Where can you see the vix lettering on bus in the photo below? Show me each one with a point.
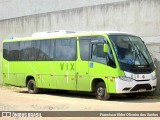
(67, 66)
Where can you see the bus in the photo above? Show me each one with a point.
(101, 62)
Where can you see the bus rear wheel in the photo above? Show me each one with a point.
(100, 91)
(32, 89)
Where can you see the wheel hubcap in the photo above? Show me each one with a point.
(31, 86)
(100, 91)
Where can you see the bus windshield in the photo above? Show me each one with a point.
(130, 50)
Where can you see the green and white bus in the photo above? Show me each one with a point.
(101, 62)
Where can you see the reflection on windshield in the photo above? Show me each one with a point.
(130, 50)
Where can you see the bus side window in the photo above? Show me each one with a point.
(85, 49)
(14, 51)
(65, 49)
(44, 50)
(6, 51)
(25, 50)
(98, 54)
(52, 50)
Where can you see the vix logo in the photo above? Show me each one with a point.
(67, 66)
(143, 76)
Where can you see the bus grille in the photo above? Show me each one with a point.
(144, 70)
(141, 86)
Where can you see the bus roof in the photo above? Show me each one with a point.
(63, 33)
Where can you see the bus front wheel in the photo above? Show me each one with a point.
(100, 91)
(32, 89)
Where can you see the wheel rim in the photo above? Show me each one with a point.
(100, 91)
(31, 86)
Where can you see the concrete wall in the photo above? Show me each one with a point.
(155, 52)
(140, 17)
(18, 8)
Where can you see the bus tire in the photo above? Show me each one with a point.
(100, 91)
(32, 89)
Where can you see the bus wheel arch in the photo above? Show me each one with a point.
(29, 78)
(31, 85)
(99, 88)
(95, 82)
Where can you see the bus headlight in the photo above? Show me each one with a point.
(126, 79)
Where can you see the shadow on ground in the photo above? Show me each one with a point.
(142, 98)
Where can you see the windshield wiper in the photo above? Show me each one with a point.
(141, 54)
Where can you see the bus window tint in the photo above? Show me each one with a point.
(65, 49)
(14, 51)
(25, 50)
(52, 50)
(97, 53)
(40, 50)
(44, 50)
(6, 51)
(84, 48)
(34, 50)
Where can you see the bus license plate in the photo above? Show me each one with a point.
(142, 90)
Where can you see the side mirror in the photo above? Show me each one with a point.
(105, 48)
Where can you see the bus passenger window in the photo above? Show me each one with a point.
(65, 49)
(6, 50)
(84, 49)
(97, 53)
(14, 51)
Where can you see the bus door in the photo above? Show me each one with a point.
(82, 66)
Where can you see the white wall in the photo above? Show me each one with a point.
(140, 17)
(17, 8)
(155, 51)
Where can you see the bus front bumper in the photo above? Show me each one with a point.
(134, 86)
